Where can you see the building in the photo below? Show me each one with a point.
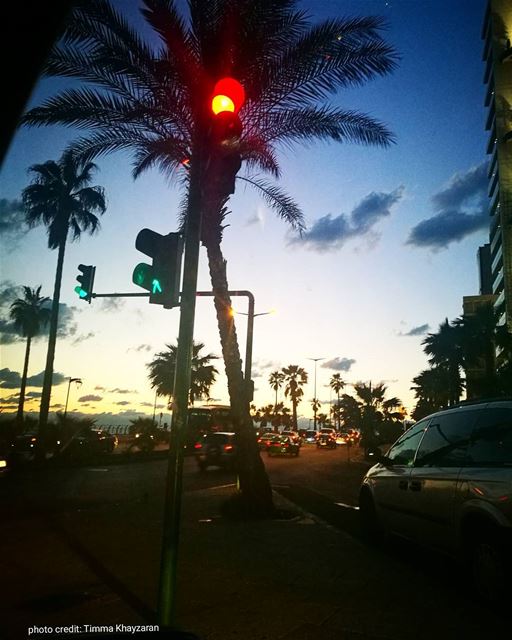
(497, 55)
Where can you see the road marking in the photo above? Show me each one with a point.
(346, 506)
(97, 469)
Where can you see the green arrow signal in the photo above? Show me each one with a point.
(156, 286)
(81, 292)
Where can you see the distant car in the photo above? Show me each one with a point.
(326, 441)
(90, 443)
(283, 446)
(265, 440)
(329, 430)
(294, 435)
(23, 447)
(216, 449)
(310, 436)
(447, 483)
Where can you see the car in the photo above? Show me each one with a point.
(283, 445)
(23, 447)
(329, 430)
(326, 441)
(216, 449)
(310, 436)
(294, 435)
(265, 439)
(90, 442)
(446, 483)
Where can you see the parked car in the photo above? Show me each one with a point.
(23, 447)
(216, 449)
(447, 483)
(283, 446)
(326, 441)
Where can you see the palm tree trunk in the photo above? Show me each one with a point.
(19, 415)
(294, 412)
(254, 482)
(52, 340)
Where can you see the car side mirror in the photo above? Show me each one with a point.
(376, 457)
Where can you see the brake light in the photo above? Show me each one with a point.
(228, 447)
(198, 445)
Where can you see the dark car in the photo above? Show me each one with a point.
(216, 449)
(23, 447)
(294, 435)
(283, 446)
(311, 436)
(90, 443)
(326, 441)
(265, 439)
(446, 483)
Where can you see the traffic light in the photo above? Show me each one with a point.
(162, 278)
(225, 131)
(86, 280)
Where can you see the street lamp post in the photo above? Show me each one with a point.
(248, 348)
(315, 360)
(79, 382)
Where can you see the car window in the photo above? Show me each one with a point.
(491, 443)
(446, 439)
(403, 451)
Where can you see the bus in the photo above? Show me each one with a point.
(208, 419)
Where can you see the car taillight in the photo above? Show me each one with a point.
(198, 445)
(285, 444)
(228, 447)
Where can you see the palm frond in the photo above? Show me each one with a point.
(285, 207)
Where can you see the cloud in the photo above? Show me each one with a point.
(339, 364)
(83, 337)
(330, 233)
(98, 388)
(111, 305)
(90, 398)
(462, 207)
(37, 379)
(141, 348)
(123, 402)
(257, 219)
(12, 223)
(416, 331)
(123, 391)
(9, 379)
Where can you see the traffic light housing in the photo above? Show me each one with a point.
(162, 278)
(86, 280)
(225, 132)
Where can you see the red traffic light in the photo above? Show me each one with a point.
(228, 95)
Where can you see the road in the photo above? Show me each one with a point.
(104, 515)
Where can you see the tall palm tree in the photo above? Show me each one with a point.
(337, 384)
(60, 198)
(29, 315)
(295, 377)
(162, 370)
(154, 101)
(276, 381)
(375, 410)
(445, 351)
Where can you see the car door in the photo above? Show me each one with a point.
(433, 479)
(390, 481)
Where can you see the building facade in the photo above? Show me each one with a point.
(497, 56)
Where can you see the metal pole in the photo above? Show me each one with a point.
(67, 398)
(171, 527)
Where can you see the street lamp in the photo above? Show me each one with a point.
(315, 360)
(78, 382)
(248, 349)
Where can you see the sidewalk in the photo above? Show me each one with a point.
(295, 579)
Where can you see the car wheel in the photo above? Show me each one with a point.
(487, 564)
(368, 515)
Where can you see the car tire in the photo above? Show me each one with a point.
(368, 518)
(487, 564)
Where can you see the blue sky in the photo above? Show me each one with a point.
(389, 251)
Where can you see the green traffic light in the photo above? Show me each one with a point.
(81, 292)
(156, 287)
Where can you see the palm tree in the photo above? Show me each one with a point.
(315, 405)
(162, 370)
(29, 315)
(375, 411)
(444, 350)
(295, 377)
(155, 102)
(337, 384)
(276, 381)
(60, 198)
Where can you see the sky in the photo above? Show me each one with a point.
(388, 253)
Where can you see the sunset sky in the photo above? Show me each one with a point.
(389, 251)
